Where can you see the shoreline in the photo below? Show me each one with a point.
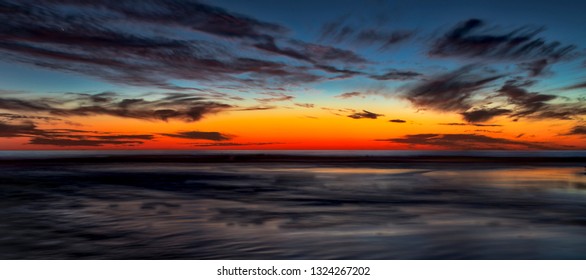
(299, 159)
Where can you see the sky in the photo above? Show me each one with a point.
(278, 75)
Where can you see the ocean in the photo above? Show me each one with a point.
(292, 205)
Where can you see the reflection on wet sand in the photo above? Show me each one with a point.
(292, 211)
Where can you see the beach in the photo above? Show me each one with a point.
(288, 206)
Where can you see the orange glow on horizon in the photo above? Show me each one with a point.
(286, 130)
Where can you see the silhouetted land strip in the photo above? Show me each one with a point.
(305, 159)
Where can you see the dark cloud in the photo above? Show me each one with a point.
(567, 111)
(93, 38)
(489, 125)
(483, 115)
(106, 96)
(255, 108)
(538, 105)
(17, 130)
(449, 92)
(473, 124)
(69, 137)
(347, 95)
(305, 105)
(577, 130)
(386, 39)
(320, 56)
(12, 117)
(465, 142)
(577, 86)
(339, 32)
(187, 108)
(527, 102)
(275, 97)
(313, 53)
(204, 135)
(75, 137)
(398, 121)
(339, 112)
(454, 124)
(125, 136)
(474, 39)
(343, 73)
(229, 144)
(66, 142)
(459, 90)
(487, 131)
(187, 14)
(22, 105)
(397, 75)
(149, 65)
(365, 115)
(536, 68)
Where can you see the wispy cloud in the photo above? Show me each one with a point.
(234, 144)
(17, 130)
(187, 108)
(536, 68)
(483, 115)
(203, 135)
(347, 95)
(72, 36)
(305, 105)
(397, 75)
(475, 39)
(465, 142)
(450, 92)
(88, 142)
(275, 97)
(577, 86)
(341, 31)
(537, 105)
(365, 115)
(472, 124)
(577, 130)
(69, 137)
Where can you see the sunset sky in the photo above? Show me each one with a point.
(232, 74)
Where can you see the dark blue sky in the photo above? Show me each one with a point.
(305, 20)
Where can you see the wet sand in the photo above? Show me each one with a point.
(292, 207)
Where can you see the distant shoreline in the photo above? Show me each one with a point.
(296, 159)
